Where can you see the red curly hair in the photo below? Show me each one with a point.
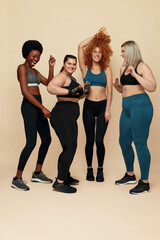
(101, 40)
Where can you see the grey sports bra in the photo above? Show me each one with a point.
(32, 79)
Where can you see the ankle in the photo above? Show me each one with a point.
(59, 181)
(130, 173)
(145, 181)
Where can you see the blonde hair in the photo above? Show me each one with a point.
(132, 53)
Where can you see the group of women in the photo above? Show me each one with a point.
(94, 57)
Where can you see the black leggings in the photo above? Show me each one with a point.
(34, 122)
(64, 121)
(94, 111)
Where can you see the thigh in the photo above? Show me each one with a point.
(101, 127)
(65, 128)
(30, 115)
(125, 128)
(43, 127)
(89, 121)
(141, 117)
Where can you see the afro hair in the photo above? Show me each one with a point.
(30, 45)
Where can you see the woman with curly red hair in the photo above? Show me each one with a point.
(94, 57)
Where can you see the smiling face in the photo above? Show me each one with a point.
(96, 54)
(70, 66)
(33, 57)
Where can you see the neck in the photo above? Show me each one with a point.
(27, 64)
(96, 66)
(65, 72)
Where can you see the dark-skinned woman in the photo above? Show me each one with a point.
(34, 113)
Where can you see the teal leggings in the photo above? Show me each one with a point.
(135, 121)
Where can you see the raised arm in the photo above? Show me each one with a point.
(146, 79)
(44, 80)
(108, 73)
(21, 74)
(81, 47)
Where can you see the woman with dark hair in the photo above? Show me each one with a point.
(34, 113)
(64, 120)
(94, 57)
(136, 116)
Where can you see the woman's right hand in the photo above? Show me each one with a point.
(46, 113)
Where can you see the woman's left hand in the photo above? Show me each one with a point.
(52, 61)
(132, 71)
(107, 116)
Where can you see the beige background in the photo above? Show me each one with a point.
(97, 210)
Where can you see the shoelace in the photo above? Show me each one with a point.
(23, 181)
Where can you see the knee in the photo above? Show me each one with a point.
(70, 147)
(123, 143)
(46, 141)
(140, 143)
(89, 143)
(30, 145)
(99, 143)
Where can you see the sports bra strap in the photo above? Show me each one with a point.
(71, 77)
(136, 67)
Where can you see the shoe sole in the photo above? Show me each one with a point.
(39, 181)
(129, 182)
(141, 192)
(90, 179)
(71, 183)
(58, 190)
(99, 180)
(20, 189)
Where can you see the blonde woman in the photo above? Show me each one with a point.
(136, 78)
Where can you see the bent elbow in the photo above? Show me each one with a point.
(154, 87)
(80, 46)
(49, 89)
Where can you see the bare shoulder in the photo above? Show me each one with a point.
(60, 76)
(108, 69)
(21, 67)
(143, 67)
(59, 79)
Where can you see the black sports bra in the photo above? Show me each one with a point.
(128, 79)
(73, 84)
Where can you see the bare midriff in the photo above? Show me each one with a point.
(97, 93)
(60, 99)
(34, 90)
(129, 90)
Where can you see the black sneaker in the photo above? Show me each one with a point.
(71, 180)
(99, 177)
(41, 178)
(63, 187)
(140, 188)
(90, 176)
(19, 184)
(127, 179)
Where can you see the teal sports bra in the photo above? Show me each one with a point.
(96, 79)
